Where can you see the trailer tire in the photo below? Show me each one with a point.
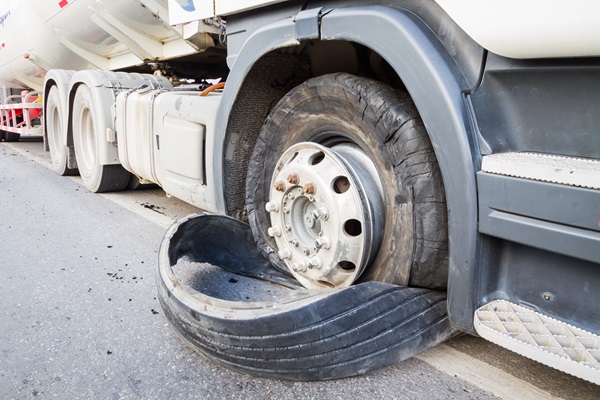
(11, 137)
(87, 128)
(385, 124)
(55, 130)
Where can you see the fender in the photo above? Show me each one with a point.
(436, 86)
(105, 86)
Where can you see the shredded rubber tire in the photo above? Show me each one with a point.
(304, 336)
(386, 125)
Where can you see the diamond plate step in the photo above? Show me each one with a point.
(546, 168)
(541, 338)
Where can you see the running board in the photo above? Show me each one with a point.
(541, 338)
(570, 171)
(231, 305)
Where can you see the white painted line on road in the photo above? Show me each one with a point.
(478, 373)
(124, 201)
(27, 154)
(133, 206)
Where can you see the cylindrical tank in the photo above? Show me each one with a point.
(39, 35)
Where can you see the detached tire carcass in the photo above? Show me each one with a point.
(297, 334)
(343, 193)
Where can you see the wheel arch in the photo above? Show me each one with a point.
(436, 86)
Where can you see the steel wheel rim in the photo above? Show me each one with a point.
(326, 212)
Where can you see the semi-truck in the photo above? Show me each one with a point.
(397, 172)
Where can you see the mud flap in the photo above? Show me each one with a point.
(228, 303)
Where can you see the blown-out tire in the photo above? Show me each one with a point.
(87, 129)
(300, 335)
(55, 133)
(385, 124)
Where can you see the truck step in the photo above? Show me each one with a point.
(545, 167)
(541, 338)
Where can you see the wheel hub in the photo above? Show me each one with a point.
(326, 213)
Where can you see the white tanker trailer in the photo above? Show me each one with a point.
(409, 168)
(37, 37)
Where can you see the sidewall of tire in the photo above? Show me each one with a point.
(91, 175)
(97, 177)
(56, 142)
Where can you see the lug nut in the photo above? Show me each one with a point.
(294, 243)
(293, 178)
(306, 251)
(309, 188)
(288, 227)
(323, 243)
(299, 266)
(280, 186)
(322, 213)
(274, 231)
(285, 254)
(314, 262)
(271, 206)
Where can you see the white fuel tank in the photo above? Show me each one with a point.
(36, 36)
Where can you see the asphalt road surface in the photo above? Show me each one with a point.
(79, 317)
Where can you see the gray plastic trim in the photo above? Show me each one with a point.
(562, 204)
(545, 235)
(436, 86)
(308, 24)
(510, 209)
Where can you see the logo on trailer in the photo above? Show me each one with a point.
(4, 17)
(63, 3)
(187, 5)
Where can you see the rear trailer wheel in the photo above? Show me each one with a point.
(88, 128)
(55, 133)
(11, 136)
(344, 185)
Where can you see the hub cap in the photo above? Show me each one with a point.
(326, 213)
